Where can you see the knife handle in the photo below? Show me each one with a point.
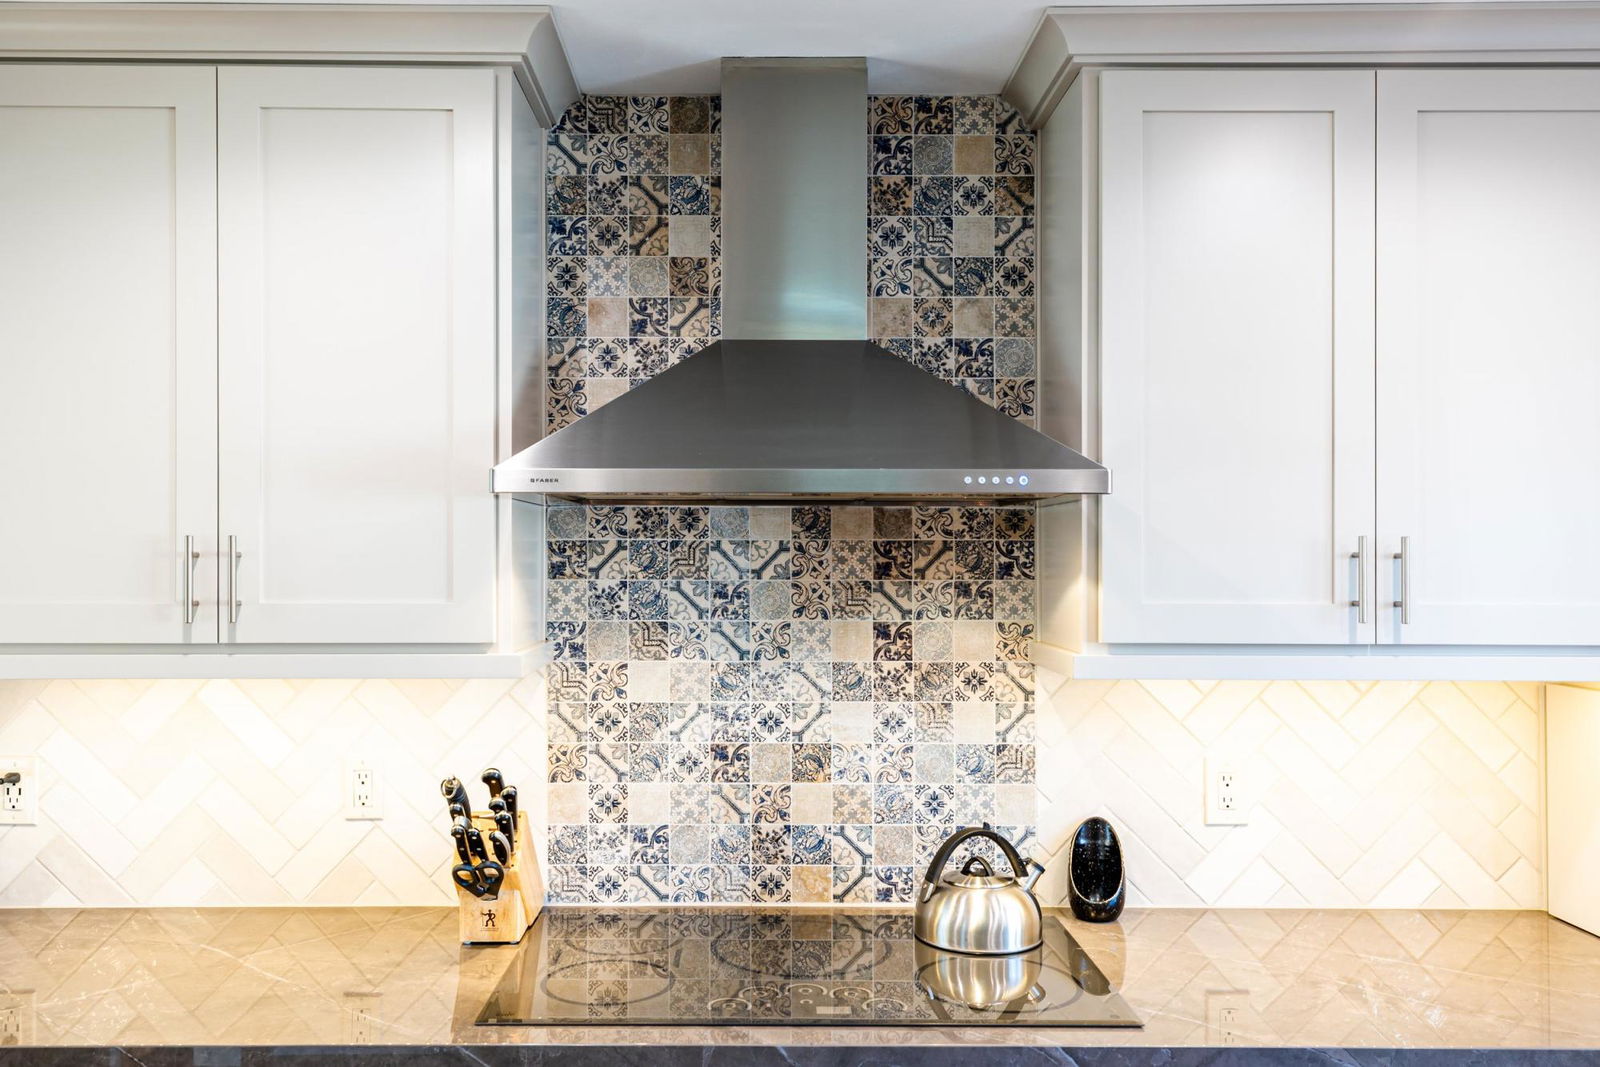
(455, 793)
(507, 829)
(509, 795)
(475, 843)
(459, 834)
(494, 780)
(497, 804)
(501, 846)
(457, 811)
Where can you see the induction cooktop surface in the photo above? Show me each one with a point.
(787, 967)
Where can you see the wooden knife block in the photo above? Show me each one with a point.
(503, 919)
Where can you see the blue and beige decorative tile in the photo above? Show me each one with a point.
(739, 615)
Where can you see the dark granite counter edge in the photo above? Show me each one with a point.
(776, 1056)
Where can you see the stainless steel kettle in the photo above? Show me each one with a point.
(976, 910)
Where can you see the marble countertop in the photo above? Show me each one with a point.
(1346, 979)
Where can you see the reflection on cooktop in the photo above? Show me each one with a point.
(788, 967)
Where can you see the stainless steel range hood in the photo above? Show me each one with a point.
(798, 420)
(795, 405)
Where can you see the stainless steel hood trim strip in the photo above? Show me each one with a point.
(590, 481)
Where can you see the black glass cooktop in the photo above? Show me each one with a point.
(788, 967)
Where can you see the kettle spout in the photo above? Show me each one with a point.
(1036, 870)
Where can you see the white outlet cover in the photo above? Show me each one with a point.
(1225, 806)
(352, 810)
(28, 813)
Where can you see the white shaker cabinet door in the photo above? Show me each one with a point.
(1236, 355)
(1489, 356)
(357, 329)
(107, 354)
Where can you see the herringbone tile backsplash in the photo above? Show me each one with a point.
(1386, 794)
(218, 792)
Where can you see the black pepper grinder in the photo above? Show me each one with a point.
(1098, 884)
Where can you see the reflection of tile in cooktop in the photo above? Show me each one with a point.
(787, 967)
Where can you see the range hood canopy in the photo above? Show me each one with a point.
(798, 420)
(787, 410)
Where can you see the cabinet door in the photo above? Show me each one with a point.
(357, 275)
(107, 353)
(1489, 355)
(1236, 354)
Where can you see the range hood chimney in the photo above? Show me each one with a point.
(794, 199)
(794, 403)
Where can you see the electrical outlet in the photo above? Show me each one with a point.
(19, 800)
(1228, 1017)
(1227, 802)
(16, 1018)
(363, 799)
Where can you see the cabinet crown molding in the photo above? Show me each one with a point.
(523, 38)
(1068, 39)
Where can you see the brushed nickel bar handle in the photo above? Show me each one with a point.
(1404, 603)
(190, 558)
(234, 555)
(1360, 602)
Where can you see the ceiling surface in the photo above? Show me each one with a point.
(663, 47)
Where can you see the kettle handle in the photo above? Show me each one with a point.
(961, 837)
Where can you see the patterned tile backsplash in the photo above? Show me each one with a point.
(785, 704)
(950, 242)
(634, 276)
(779, 704)
(635, 242)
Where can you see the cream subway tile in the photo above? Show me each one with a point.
(1334, 697)
(1373, 879)
(189, 883)
(1378, 707)
(1525, 780)
(241, 821)
(1299, 862)
(1310, 721)
(252, 726)
(1229, 861)
(1178, 697)
(1458, 871)
(26, 727)
(1474, 725)
(20, 846)
(1407, 732)
(1520, 722)
(1524, 884)
(1524, 828)
(1324, 835)
(1491, 698)
(1154, 722)
(153, 707)
(164, 800)
(1255, 887)
(235, 864)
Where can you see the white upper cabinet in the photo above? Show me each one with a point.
(1236, 369)
(1489, 355)
(107, 354)
(357, 326)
